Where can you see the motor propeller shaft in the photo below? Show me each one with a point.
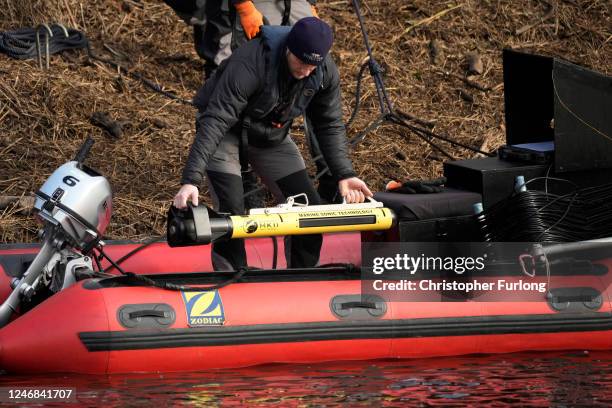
(11, 304)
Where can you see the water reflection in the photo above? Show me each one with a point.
(535, 379)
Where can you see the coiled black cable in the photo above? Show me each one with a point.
(21, 43)
(568, 215)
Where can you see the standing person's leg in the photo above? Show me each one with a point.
(225, 186)
(209, 39)
(211, 22)
(283, 171)
(272, 10)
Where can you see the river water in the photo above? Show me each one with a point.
(568, 379)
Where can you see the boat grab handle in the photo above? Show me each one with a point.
(148, 313)
(361, 305)
(358, 307)
(146, 316)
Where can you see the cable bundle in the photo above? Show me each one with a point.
(541, 216)
(21, 43)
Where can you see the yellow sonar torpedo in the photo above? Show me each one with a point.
(201, 225)
(304, 220)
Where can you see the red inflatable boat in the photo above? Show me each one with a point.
(112, 325)
(163, 309)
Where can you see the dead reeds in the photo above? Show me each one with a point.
(425, 46)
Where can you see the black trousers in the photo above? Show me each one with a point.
(282, 170)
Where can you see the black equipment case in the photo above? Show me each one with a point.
(437, 217)
(495, 179)
(552, 100)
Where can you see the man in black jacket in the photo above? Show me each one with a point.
(246, 111)
(221, 26)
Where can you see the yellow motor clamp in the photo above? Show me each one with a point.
(201, 225)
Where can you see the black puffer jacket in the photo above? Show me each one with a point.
(251, 84)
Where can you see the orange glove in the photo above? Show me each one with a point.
(250, 18)
(393, 185)
(314, 11)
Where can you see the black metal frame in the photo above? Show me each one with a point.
(388, 113)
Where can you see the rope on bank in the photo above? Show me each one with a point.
(24, 43)
(46, 40)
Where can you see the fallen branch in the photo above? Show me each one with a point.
(435, 55)
(551, 12)
(475, 65)
(466, 96)
(426, 21)
(466, 81)
(422, 122)
(24, 203)
(104, 121)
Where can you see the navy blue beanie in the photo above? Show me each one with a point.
(310, 40)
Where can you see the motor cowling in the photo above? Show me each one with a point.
(77, 199)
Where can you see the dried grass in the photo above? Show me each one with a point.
(45, 115)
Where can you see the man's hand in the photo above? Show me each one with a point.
(250, 18)
(354, 190)
(188, 192)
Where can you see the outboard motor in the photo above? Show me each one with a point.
(75, 206)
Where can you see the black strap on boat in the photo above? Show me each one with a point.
(182, 288)
(171, 286)
(286, 13)
(142, 246)
(274, 253)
